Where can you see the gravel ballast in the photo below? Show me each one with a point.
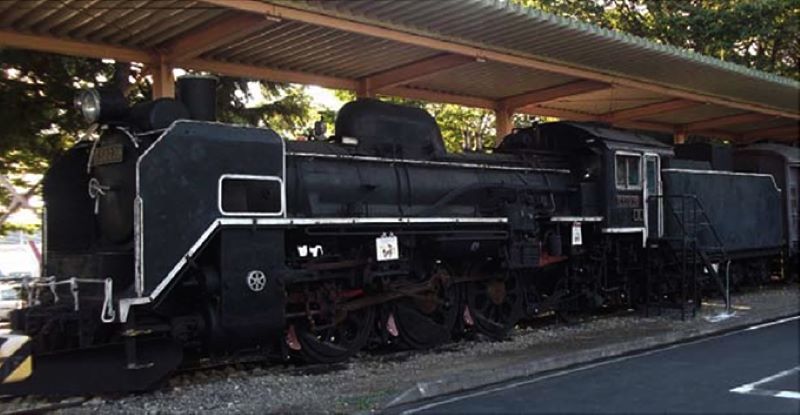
(374, 380)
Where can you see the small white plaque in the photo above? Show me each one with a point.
(577, 236)
(387, 248)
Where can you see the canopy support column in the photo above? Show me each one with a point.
(163, 81)
(503, 123)
(364, 89)
(679, 136)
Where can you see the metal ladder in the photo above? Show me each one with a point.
(696, 246)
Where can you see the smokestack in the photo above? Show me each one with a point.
(199, 94)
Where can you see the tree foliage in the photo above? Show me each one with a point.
(38, 121)
(284, 108)
(759, 34)
(36, 93)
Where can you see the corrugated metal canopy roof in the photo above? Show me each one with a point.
(502, 25)
(480, 53)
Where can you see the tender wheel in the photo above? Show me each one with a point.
(332, 334)
(427, 319)
(495, 305)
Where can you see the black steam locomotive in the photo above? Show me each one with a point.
(172, 237)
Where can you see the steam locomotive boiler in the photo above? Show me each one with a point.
(172, 238)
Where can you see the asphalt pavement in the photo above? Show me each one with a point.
(754, 370)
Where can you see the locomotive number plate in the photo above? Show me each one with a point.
(629, 201)
(107, 155)
(387, 248)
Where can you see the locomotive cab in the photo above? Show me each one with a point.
(632, 182)
(622, 175)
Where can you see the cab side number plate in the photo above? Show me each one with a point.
(107, 155)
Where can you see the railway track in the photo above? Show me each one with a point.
(207, 371)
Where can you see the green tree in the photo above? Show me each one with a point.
(285, 108)
(37, 124)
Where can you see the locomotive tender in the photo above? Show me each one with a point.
(172, 237)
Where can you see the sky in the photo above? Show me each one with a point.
(324, 97)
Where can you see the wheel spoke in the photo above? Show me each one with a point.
(331, 338)
(428, 320)
(496, 305)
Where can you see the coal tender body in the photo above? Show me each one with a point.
(172, 238)
(782, 162)
(736, 214)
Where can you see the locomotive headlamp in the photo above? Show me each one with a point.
(88, 102)
(101, 105)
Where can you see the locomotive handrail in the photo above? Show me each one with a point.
(107, 314)
(713, 229)
(698, 204)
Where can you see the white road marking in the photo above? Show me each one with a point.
(590, 366)
(788, 394)
(752, 389)
(772, 323)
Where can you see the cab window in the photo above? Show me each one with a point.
(628, 171)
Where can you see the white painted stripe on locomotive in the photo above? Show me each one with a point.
(576, 219)
(366, 221)
(190, 253)
(126, 303)
(623, 230)
(139, 244)
(629, 230)
(725, 173)
(428, 162)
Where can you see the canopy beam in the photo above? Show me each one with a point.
(435, 96)
(541, 96)
(727, 120)
(72, 47)
(789, 131)
(218, 33)
(657, 108)
(404, 74)
(558, 113)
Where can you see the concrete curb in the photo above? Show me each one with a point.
(481, 378)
